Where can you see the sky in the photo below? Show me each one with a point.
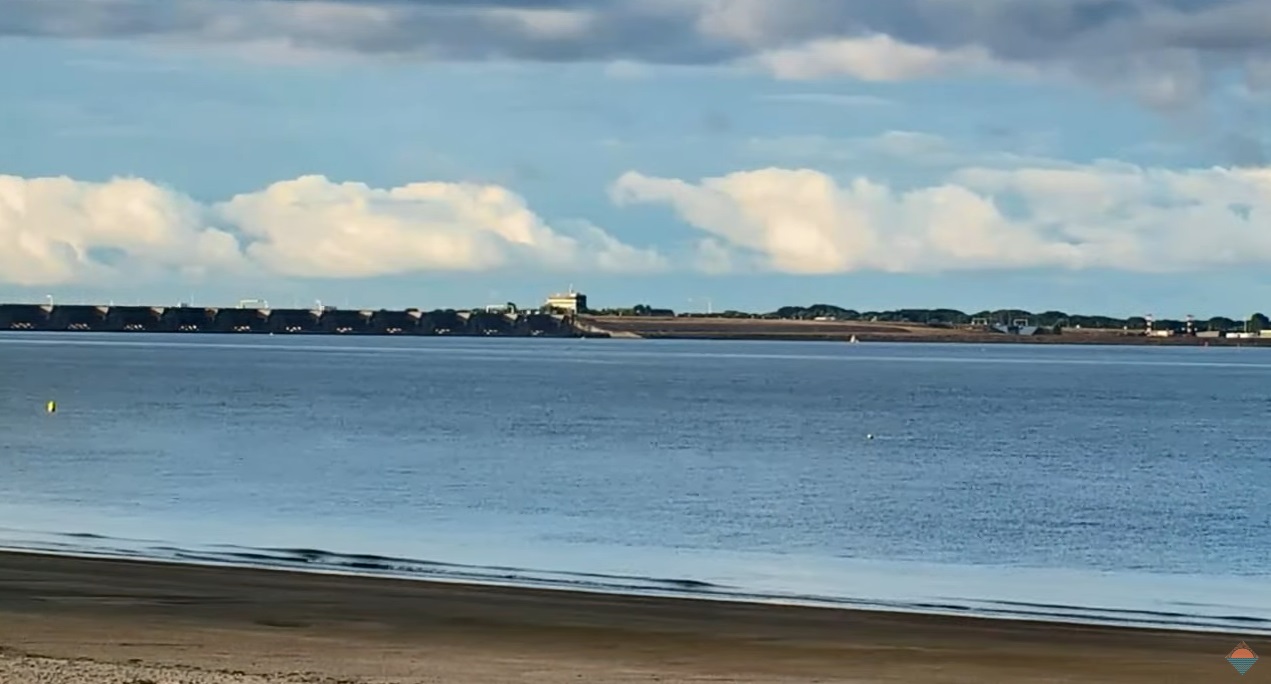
(1095, 156)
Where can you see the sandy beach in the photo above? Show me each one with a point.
(93, 621)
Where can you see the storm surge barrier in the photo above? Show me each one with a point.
(188, 319)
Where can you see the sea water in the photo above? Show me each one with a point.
(1104, 484)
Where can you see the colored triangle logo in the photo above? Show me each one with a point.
(1242, 657)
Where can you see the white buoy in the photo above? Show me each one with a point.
(869, 436)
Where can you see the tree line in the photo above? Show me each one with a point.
(954, 317)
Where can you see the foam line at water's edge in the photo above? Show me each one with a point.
(326, 562)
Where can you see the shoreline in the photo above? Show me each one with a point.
(266, 623)
(333, 563)
(872, 332)
(1078, 340)
(972, 339)
(572, 320)
(694, 328)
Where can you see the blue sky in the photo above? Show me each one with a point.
(1086, 155)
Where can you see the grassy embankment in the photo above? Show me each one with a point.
(651, 327)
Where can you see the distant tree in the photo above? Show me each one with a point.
(1047, 320)
(1221, 324)
(950, 316)
(1051, 317)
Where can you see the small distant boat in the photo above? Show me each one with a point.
(853, 340)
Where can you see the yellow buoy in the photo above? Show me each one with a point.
(51, 407)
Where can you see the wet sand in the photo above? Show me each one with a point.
(91, 621)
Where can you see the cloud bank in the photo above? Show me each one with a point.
(1103, 216)
(1165, 51)
(57, 231)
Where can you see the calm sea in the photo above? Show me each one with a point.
(1072, 483)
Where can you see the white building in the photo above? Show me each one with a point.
(569, 302)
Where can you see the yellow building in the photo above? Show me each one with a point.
(569, 302)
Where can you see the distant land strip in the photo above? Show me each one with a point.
(830, 322)
(817, 322)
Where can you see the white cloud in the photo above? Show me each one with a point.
(877, 57)
(1111, 216)
(312, 227)
(545, 24)
(59, 230)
